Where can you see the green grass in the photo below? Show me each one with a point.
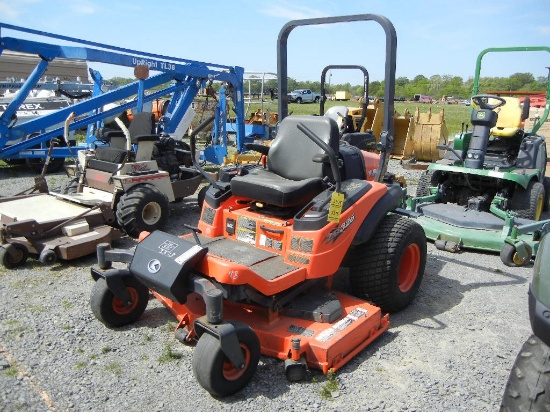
(331, 385)
(455, 114)
(169, 354)
(11, 372)
(114, 368)
(80, 365)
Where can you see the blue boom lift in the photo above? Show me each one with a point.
(179, 78)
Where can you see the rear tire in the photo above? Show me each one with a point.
(528, 385)
(142, 208)
(110, 310)
(388, 269)
(528, 203)
(430, 178)
(546, 184)
(201, 195)
(70, 187)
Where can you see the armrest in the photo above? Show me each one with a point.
(105, 134)
(146, 138)
(360, 140)
(321, 158)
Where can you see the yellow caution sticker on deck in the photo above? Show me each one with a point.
(336, 205)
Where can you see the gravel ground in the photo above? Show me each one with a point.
(451, 350)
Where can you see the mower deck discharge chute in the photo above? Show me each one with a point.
(489, 189)
(255, 277)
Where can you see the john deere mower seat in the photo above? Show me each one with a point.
(141, 133)
(291, 177)
(510, 117)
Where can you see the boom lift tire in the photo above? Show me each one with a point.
(142, 207)
(528, 203)
(528, 386)
(37, 164)
(387, 270)
(110, 310)
(10, 262)
(214, 371)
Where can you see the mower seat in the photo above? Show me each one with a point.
(510, 117)
(141, 133)
(340, 115)
(291, 177)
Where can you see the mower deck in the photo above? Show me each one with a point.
(42, 208)
(324, 345)
(472, 229)
(44, 222)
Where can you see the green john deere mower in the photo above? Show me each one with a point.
(489, 189)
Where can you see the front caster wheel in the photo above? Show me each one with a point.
(509, 255)
(18, 258)
(111, 311)
(213, 369)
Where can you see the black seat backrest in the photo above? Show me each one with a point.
(143, 124)
(141, 128)
(291, 153)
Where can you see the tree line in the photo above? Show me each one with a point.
(435, 86)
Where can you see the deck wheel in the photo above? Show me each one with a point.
(15, 259)
(509, 255)
(110, 310)
(215, 372)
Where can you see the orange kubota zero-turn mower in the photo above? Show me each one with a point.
(256, 276)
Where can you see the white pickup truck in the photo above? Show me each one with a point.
(303, 96)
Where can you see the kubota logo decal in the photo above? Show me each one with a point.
(338, 230)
